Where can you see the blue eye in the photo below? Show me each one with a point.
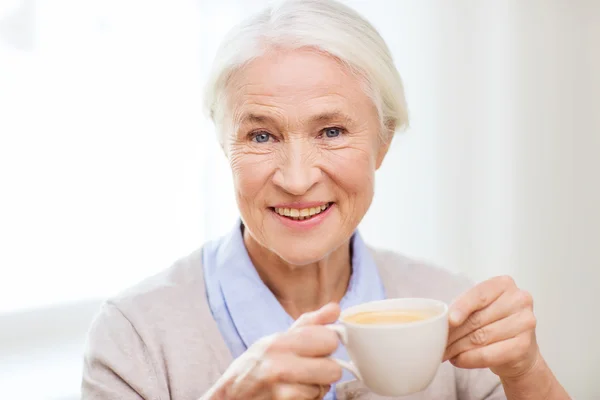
(261, 137)
(333, 132)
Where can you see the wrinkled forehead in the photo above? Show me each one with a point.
(300, 84)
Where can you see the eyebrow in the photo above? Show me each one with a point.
(319, 118)
(255, 118)
(331, 116)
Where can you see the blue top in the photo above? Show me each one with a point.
(246, 310)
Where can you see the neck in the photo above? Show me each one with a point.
(302, 288)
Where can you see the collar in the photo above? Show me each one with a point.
(255, 311)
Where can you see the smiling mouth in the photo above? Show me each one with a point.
(301, 214)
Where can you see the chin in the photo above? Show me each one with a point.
(301, 256)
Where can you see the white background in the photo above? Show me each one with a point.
(109, 171)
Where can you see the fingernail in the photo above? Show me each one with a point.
(455, 316)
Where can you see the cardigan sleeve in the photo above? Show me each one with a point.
(116, 361)
(478, 384)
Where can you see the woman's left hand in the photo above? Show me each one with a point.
(492, 326)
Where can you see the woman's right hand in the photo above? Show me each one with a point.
(290, 365)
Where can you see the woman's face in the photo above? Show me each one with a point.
(303, 148)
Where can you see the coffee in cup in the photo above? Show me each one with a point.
(385, 317)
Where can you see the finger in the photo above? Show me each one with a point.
(290, 368)
(506, 328)
(290, 391)
(508, 303)
(327, 314)
(495, 355)
(246, 382)
(478, 298)
(306, 341)
(323, 390)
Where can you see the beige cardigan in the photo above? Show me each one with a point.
(159, 341)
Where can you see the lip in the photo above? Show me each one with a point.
(300, 205)
(305, 224)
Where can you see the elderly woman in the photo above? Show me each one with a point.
(306, 100)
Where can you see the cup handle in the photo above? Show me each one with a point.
(340, 330)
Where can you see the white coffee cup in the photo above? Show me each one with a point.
(395, 359)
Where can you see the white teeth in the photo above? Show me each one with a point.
(303, 213)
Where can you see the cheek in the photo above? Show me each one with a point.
(250, 172)
(353, 169)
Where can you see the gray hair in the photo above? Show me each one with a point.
(326, 25)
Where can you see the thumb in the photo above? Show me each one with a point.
(327, 314)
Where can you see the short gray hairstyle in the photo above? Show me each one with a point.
(325, 25)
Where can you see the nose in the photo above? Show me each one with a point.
(297, 172)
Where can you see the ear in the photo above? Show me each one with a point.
(384, 143)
